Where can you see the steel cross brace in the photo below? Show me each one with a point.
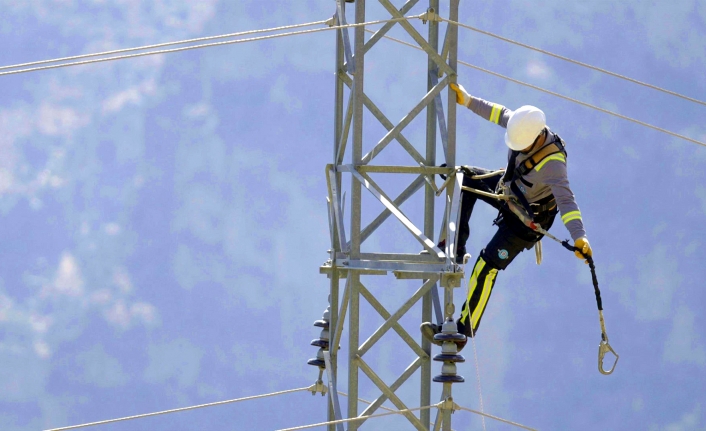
(411, 369)
(418, 38)
(372, 107)
(385, 28)
(388, 392)
(373, 188)
(395, 325)
(392, 134)
(392, 320)
(406, 194)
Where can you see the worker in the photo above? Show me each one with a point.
(536, 178)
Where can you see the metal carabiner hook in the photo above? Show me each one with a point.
(604, 348)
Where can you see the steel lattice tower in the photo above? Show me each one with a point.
(433, 269)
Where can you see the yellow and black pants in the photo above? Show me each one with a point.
(511, 239)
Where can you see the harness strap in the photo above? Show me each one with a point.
(513, 173)
(523, 200)
(536, 158)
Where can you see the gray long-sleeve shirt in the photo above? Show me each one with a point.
(549, 177)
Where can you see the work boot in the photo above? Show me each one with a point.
(429, 329)
(462, 257)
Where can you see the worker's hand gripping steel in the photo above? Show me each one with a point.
(462, 96)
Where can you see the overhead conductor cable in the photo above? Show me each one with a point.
(579, 63)
(561, 96)
(186, 48)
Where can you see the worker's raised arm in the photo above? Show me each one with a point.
(493, 112)
(552, 171)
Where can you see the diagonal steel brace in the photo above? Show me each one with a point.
(372, 107)
(389, 393)
(396, 325)
(433, 55)
(341, 18)
(373, 188)
(392, 134)
(402, 198)
(363, 349)
(385, 28)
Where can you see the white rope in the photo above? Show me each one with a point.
(341, 421)
(498, 419)
(561, 96)
(205, 45)
(462, 408)
(182, 409)
(431, 424)
(159, 45)
(367, 402)
(480, 391)
(579, 63)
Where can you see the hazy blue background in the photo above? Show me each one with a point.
(163, 218)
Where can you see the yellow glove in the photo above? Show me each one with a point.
(462, 96)
(583, 245)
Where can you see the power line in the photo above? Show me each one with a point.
(587, 105)
(570, 99)
(579, 63)
(498, 419)
(181, 409)
(159, 45)
(205, 45)
(431, 424)
(360, 418)
(253, 39)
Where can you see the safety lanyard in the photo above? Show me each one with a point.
(604, 346)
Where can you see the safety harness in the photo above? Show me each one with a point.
(513, 174)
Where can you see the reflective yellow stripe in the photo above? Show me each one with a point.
(487, 287)
(495, 113)
(572, 215)
(557, 156)
(472, 284)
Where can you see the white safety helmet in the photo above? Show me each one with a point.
(524, 126)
